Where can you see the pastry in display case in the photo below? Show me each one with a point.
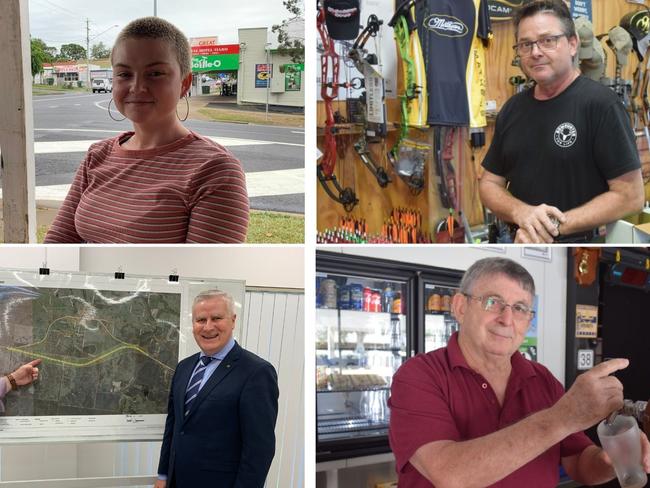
(360, 343)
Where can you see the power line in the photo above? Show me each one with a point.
(62, 9)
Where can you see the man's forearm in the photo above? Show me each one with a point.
(625, 196)
(485, 460)
(591, 468)
(499, 200)
(603, 209)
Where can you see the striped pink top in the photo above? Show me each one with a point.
(192, 190)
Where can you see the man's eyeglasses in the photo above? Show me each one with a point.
(494, 304)
(546, 43)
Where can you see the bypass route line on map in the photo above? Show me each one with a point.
(122, 347)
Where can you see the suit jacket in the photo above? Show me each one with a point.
(228, 438)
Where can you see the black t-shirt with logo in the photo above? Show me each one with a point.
(562, 151)
(446, 29)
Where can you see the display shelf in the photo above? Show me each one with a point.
(357, 321)
(355, 390)
(349, 424)
(348, 128)
(349, 346)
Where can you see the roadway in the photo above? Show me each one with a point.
(65, 125)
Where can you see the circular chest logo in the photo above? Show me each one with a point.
(565, 134)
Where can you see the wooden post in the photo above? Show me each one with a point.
(16, 124)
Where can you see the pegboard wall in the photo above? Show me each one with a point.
(376, 203)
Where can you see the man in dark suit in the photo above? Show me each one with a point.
(223, 404)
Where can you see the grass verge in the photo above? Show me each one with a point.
(275, 228)
(54, 90)
(243, 116)
(264, 228)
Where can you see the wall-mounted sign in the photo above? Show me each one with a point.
(215, 49)
(586, 321)
(263, 75)
(292, 80)
(292, 67)
(203, 41)
(225, 62)
(585, 359)
(581, 8)
(503, 9)
(66, 68)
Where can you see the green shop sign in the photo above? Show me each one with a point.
(292, 68)
(221, 62)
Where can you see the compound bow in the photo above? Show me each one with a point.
(364, 64)
(414, 98)
(329, 91)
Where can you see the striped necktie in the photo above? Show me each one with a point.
(195, 383)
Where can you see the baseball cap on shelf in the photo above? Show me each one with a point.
(342, 19)
(621, 43)
(638, 25)
(585, 31)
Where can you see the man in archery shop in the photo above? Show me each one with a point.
(563, 160)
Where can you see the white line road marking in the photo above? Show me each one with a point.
(56, 147)
(274, 183)
(97, 104)
(258, 183)
(40, 99)
(82, 130)
(297, 131)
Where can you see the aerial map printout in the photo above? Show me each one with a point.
(103, 352)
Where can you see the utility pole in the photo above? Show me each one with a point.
(155, 8)
(87, 54)
(268, 78)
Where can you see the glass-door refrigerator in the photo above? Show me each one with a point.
(436, 322)
(363, 331)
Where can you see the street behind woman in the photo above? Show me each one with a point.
(161, 182)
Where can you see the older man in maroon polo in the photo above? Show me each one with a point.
(477, 413)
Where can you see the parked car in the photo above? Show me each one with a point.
(102, 84)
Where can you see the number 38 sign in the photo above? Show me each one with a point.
(585, 359)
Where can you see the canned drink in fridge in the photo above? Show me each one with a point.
(375, 304)
(328, 293)
(356, 296)
(367, 299)
(397, 304)
(344, 297)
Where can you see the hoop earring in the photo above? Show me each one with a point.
(109, 112)
(188, 109)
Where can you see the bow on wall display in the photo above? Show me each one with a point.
(329, 91)
(406, 157)
(372, 100)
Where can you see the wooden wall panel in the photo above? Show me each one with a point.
(376, 203)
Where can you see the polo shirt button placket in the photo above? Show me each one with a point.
(484, 385)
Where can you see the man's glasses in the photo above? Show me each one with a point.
(494, 304)
(546, 43)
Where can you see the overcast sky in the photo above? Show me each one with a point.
(64, 21)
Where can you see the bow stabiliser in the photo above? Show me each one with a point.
(329, 91)
(372, 100)
(413, 99)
